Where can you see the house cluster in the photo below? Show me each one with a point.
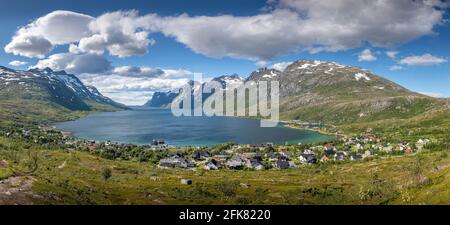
(233, 156)
(266, 156)
(202, 158)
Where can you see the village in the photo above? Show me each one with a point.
(364, 146)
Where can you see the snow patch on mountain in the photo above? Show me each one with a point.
(359, 76)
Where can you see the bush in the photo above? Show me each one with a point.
(106, 173)
(227, 188)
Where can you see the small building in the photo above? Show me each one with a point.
(339, 156)
(220, 158)
(283, 152)
(329, 147)
(211, 166)
(186, 181)
(307, 159)
(66, 134)
(254, 164)
(282, 164)
(324, 158)
(200, 155)
(308, 151)
(423, 141)
(158, 142)
(388, 148)
(366, 154)
(235, 163)
(175, 161)
(359, 146)
(408, 150)
(355, 157)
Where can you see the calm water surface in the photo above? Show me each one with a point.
(142, 125)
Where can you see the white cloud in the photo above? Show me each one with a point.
(145, 71)
(56, 28)
(392, 54)
(29, 46)
(123, 33)
(261, 63)
(433, 94)
(304, 25)
(366, 55)
(17, 63)
(131, 90)
(135, 71)
(395, 67)
(73, 63)
(285, 26)
(281, 66)
(174, 73)
(422, 60)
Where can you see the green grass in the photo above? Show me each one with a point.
(77, 178)
(5, 173)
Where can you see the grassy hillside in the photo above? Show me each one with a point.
(63, 177)
(34, 111)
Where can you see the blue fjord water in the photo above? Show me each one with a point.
(142, 125)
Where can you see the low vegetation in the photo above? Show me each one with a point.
(73, 177)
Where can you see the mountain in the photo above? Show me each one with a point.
(163, 99)
(46, 90)
(312, 90)
(328, 91)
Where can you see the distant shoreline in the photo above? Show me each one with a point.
(283, 124)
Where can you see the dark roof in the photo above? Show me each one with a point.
(330, 152)
(282, 164)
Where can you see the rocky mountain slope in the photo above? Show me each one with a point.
(43, 90)
(331, 92)
(327, 91)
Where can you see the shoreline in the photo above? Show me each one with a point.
(283, 124)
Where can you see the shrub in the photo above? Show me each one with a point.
(106, 173)
(227, 188)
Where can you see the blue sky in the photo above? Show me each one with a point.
(261, 33)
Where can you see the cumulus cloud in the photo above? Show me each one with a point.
(366, 55)
(150, 72)
(56, 28)
(392, 54)
(131, 90)
(285, 26)
(305, 25)
(76, 64)
(29, 46)
(17, 63)
(281, 66)
(174, 73)
(123, 33)
(135, 71)
(422, 60)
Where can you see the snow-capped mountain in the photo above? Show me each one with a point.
(229, 81)
(315, 90)
(163, 99)
(57, 86)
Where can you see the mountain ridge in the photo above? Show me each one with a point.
(312, 90)
(44, 90)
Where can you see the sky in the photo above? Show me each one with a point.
(130, 49)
